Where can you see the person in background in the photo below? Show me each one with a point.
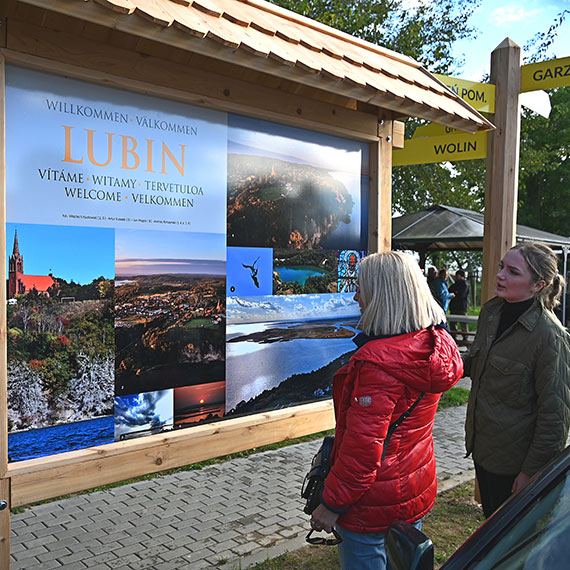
(402, 353)
(518, 412)
(459, 304)
(440, 290)
(431, 276)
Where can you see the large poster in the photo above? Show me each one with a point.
(167, 264)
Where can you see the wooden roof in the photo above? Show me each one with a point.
(258, 35)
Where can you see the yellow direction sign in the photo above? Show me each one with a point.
(441, 148)
(433, 130)
(545, 75)
(481, 96)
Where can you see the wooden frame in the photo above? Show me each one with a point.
(501, 185)
(118, 57)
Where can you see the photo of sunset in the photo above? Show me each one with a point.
(203, 402)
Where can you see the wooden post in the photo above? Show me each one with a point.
(502, 163)
(4, 482)
(380, 200)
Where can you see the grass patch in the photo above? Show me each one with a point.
(456, 396)
(200, 323)
(452, 520)
(271, 193)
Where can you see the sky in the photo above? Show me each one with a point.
(73, 253)
(291, 307)
(150, 252)
(519, 20)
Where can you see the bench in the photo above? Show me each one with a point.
(462, 338)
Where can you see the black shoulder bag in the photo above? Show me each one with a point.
(320, 466)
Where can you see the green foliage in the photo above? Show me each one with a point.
(425, 32)
(542, 42)
(99, 288)
(461, 185)
(544, 175)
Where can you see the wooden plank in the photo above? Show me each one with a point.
(385, 185)
(398, 134)
(462, 318)
(374, 198)
(5, 525)
(74, 471)
(501, 182)
(3, 318)
(380, 192)
(3, 19)
(196, 86)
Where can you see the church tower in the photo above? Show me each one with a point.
(15, 269)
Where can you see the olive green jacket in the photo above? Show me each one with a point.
(519, 406)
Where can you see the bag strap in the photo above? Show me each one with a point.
(394, 425)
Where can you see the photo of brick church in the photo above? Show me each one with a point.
(18, 282)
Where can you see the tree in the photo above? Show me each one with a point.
(544, 176)
(425, 31)
(542, 42)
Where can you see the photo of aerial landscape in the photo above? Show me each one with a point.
(169, 311)
(284, 350)
(291, 188)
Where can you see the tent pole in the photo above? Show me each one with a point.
(565, 291)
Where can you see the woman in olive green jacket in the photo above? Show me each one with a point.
(519, 406)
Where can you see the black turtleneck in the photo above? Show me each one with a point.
(510, 313)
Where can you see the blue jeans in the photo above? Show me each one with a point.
(364, 551)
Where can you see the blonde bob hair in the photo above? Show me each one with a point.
(395, 295)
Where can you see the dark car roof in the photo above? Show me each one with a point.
(474, 548)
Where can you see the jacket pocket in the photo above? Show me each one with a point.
(510, 381)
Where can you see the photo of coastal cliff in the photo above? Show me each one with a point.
(169, 310)
(284, 350)
(61, 345)
(292, 189)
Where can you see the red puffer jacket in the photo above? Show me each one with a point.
(381, 381)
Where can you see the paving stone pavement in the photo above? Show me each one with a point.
(227, 516)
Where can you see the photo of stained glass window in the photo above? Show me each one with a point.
(348, 265)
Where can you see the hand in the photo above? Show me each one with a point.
(323, 519)
(520, 481)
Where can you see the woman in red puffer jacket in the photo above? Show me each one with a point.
(403, 353)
